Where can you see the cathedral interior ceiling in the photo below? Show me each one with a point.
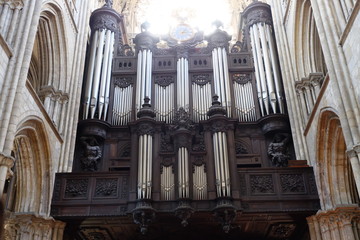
(134, 9)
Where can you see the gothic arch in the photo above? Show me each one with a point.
(336, 179)
(48, 72)
(49, 58)
(33, 166)
(310, 58)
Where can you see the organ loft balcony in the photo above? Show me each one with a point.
(184, 137)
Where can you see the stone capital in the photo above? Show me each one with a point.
(6, 161)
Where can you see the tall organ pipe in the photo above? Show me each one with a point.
(267, 72)
(221, 77)
(145, 166)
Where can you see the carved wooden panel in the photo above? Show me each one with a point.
(261, 184)
(76, 188)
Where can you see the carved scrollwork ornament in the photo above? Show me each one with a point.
(164, 80)
(257, 12)
(104, 20)
(145, 129)
(201, 79)
(123, 82)
(182, 120)
(241, 78)
(184, 212)
(225, 213)
(143, 215)
(125, 50)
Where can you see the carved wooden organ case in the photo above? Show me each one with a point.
(183, 124)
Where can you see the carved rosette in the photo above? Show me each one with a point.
(105, 18)
(257, 12)
(123, 82)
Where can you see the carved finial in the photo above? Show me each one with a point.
(218, 24)
(146, 110)
(145, 26)
(215, 100)
(216, 108)
(146, 100)
(108, 3)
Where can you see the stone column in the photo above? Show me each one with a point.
(6, 163)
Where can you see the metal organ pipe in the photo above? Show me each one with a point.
(90, 76)
(221, 78)
(145, 166)
(183, 83)
(95, 87)
(275, 67)
(183, 158)
(104, 73)
(144, 81)
(261, 69)
(221, 160)
(108, 76)
(268, 70)
(257, 74)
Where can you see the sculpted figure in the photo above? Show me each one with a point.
(278, 150)
(91, 154)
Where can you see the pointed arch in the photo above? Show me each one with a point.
(337, 185)
(310, 58)
(33, 168)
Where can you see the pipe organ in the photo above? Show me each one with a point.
(98, 77)
(180, 123)
(267, 72)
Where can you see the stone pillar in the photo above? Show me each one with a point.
(6, 163)
(31, 227)
(334, 224)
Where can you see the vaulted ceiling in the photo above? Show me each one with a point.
(134, 9)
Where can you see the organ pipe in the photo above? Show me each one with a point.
(201, 101)
(143, 85)
(182, 83)
(221, 160)
(200, 183)
(183, 174)
(164, 97)
(167, 184)
(97, 87)
(244, 101)
(267, 72)
(145, 167)
(221, 78)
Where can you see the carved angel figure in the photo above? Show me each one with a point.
(278, 150)
(91, 153)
